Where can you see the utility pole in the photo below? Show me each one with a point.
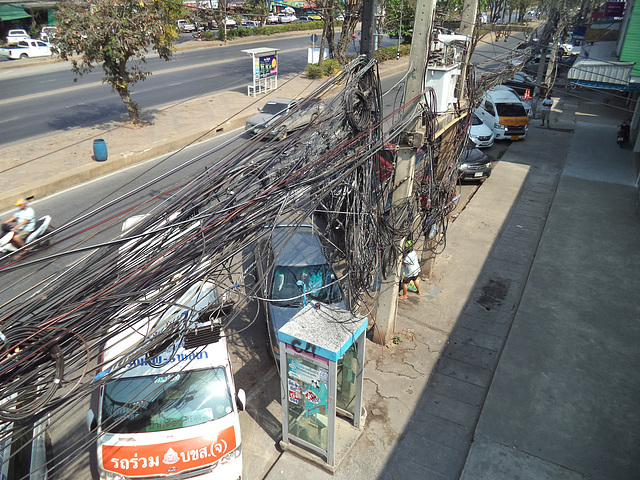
(410, 140)
(367, 42)
(467, 27)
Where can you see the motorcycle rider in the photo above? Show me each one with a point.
(25, 217)
(624, 130)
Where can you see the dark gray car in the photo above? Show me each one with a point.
(283, 115)
(474, 165)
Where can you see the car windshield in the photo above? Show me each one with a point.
(318, 283)
(511, 110)
(273, 108)
(475, 120)
(165, 402)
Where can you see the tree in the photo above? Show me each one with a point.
(397, 10)
(352, 9)
(118, 35)
(260, 8)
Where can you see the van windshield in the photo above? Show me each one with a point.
(318, 283)
(511, 110)
(157, 403)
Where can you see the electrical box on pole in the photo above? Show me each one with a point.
(410, 140)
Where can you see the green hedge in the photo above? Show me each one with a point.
(267, 30)
(391, 53)
(330, 66)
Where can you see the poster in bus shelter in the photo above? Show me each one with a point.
(266, 66)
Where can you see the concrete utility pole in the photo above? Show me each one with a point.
(367, 41)
(467, 27)
(410, 140)
(468, 19)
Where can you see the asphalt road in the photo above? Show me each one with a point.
(45, 99)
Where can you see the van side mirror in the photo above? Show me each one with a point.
(91, 420)
(241, 400)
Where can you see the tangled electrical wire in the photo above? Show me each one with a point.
(339, 167)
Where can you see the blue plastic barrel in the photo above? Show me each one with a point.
(99, 150)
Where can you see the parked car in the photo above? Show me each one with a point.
(186, 26)
(26, 49)
(294, 114)
(521, 82)
(480, 134)
(177, 399)
(294, 270)
(229, 22)
(48, 32)
(474, 165)
(286, 18)
(246, 23)
(527, 104)
(272, 18)
(339, 17)
(503, 111)
(16, 35)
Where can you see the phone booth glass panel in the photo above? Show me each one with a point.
(308, 384)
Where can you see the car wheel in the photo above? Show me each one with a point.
(24, 55)
(314, 117)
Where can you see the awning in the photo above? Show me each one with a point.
(12, 12)
(630, 87)
(598, 66)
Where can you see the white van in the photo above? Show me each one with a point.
(503, 111)
(172, 413)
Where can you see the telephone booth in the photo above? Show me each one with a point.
(321, 373)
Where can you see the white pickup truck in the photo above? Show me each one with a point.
(16, 35)
(26, 49)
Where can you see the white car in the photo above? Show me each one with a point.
(286, 18)
(27, 49)
(272, 18)
(48, 32)
(185, 26)
(480, 134)
(16, 35)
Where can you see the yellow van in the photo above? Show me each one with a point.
(503, 111)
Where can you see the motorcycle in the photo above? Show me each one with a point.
(43, 227)
(623, 134)
(197, 35)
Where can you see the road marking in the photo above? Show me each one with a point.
(75, 88)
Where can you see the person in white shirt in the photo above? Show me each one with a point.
(25, 217)
(410, 270)
(545, 110)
